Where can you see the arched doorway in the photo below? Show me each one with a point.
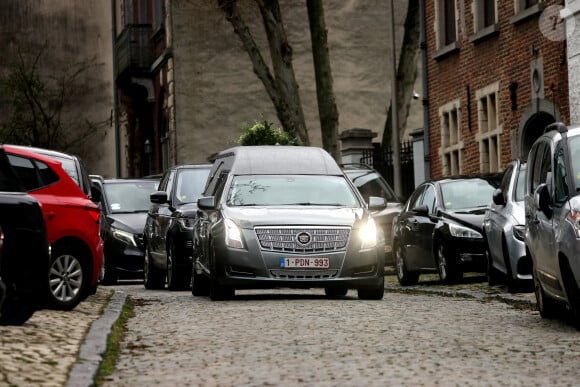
(533, 129)
(538, 114)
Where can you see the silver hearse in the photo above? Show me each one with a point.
(284, 216)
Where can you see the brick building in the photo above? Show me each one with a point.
(496, 75)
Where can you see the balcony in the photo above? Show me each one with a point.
(134, 52)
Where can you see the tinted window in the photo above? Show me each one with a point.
(26, 171)
(574, 146)
(429, 198)
(520, 185)
(465, 194)
(268, 190)
(47, 175)
(190, 184)
(370, 183)
(415, 198)
(131, 196)
(560, 184)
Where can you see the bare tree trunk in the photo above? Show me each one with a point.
(324, 92)
(406, 69)
(282, 87)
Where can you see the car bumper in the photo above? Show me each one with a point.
(468, 253)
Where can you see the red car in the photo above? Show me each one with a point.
(72, 221)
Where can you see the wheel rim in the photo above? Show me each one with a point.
(400, 263)
(146, 263)
(169, 266)
(442, 263)
(65, 278)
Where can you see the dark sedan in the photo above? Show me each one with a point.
(440, 228)
(169, 226)
(124, 207)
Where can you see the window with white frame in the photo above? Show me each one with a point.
(490, 129)
(446, 24)
(451, 150)
(484, 14)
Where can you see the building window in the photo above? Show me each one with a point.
(489, 128)
(524, 9)
(520, 5)
(157, 14)
(446, 27)
(484, 14)
(451, 150)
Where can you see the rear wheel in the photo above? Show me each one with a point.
(373, 292)
(336, 292)
(573, 294)
(404, 276)
(15, 311)
(153, 277)
(68, 277)
(511, 282)
(174, 277)
(493, 275)
(109, 275)
(547, 306)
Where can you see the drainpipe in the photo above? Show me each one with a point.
(425, 99)
(115, 92)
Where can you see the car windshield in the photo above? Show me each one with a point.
(190, 184)
(370, 183)
(267, 190)
(130, 196)
(467, 193)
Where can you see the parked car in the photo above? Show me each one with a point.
(284, 216)
(504, 228)
(24, 250)
(370, 183)
(72, 222)
(169, 227)
(124, 206)
(440, 228)
(552, 210)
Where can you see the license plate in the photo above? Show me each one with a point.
(303, 262)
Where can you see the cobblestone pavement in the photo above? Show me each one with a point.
(292, 337)
(42, 351)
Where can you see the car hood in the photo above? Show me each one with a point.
(469, 218)
(131, 222)
(248, 217)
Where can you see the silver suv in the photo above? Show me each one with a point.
(552, 207)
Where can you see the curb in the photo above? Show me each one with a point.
(95, 344)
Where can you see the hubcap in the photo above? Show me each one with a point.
(65, 277)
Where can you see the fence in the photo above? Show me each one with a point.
(381, 159)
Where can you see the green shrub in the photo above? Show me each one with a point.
(263, 133)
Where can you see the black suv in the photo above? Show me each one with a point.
(371, 183)
(24, 251)
(169, 227)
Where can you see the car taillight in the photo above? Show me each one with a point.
(94, 211)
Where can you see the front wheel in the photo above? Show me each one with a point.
(218, 292)
(493, 275)
(68, 278)
(547, 307)
(176, 279)
(15, 311)
(199, 285)
(336, 292)
(108, 274)
(404, 276)
(153, 277)
(448, 273)
(373, 292)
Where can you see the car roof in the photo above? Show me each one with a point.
(130, 180)
(497, 176)
(281, 159)
(46, 152)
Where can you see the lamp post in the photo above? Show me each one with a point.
(147, 149)
(394, 111)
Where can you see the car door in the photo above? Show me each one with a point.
(425, 226)
(408, 228)
(158, 219)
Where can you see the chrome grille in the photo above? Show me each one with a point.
(285, 239)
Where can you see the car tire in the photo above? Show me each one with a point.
(547, 306)
(510, 281)
(174, 277)
(405, 277)
(153, 277)
(109, 275)
(448, 273)
(373, 292)
(217, 292)
(573, 294)
(493, 275)
(68, 277)
(199, 283)
(336, 292)
(15, 311)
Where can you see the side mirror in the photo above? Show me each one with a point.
(96, 195)
(377, 203)
(421, 210)
(498, 197)
(158, 197)
(542, 199)
(206, 203)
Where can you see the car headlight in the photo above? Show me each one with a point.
(233, 235)
(368, 234)
(574, 218)
(463, 232)
(186, 224)
(519, 232)
(124, 236)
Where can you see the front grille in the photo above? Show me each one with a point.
(303, 274)
(285, 239)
